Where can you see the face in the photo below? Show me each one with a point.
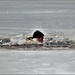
(40, 39)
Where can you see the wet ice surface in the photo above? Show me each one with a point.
(37, 62)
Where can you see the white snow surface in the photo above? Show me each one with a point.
(37, 62)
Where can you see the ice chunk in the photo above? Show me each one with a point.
(19, 39)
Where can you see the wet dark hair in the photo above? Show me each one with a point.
(37, 33)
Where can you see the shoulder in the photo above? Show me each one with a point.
(33, 41)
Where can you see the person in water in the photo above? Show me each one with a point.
(36, 38)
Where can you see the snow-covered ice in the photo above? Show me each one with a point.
(37, 62)
(24, 17)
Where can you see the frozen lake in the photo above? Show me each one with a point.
(24, 17)
(37, 62)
